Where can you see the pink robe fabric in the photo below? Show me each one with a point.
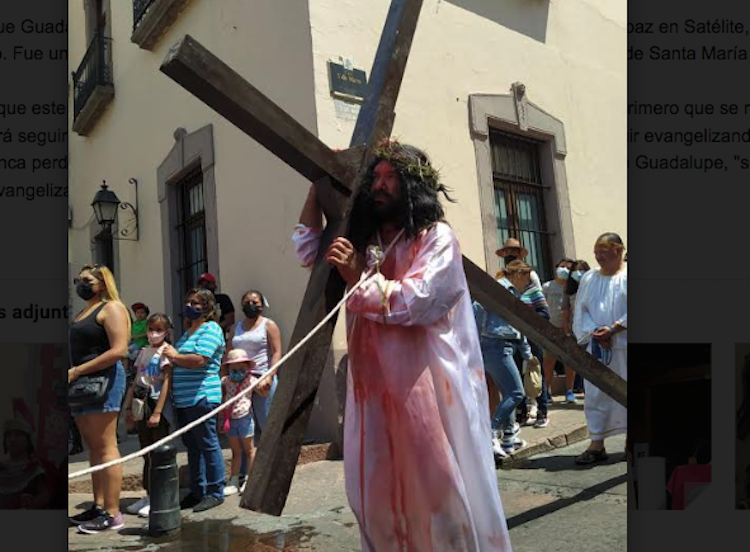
(420, 474)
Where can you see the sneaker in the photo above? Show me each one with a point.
(497, 448)
(570, 398)
(145, 511)
(189, 502)
(532, 411)
(207, 503)
(513, 444)
(541, 422)
(242, 487)
(89, 515)
(137, 505)
(232, 487)
(104, 522)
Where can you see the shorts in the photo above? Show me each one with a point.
(242, 427)
(114, 397)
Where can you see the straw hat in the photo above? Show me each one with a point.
(512, 243)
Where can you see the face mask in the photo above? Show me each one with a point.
(577, 275)
(191, 313)
(563, 273)
(85, 290)
(509, 259)
(155, 338)
(252, 310)
(237, 375)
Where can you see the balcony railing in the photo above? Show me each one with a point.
(151, 19)
(95, 70)
(140, 7)
(93, 87)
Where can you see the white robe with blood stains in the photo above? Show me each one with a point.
(420, 474)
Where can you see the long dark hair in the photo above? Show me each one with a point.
(419, 192)
(571, 287)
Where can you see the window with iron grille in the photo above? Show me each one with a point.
(519, 197)
(191, 229)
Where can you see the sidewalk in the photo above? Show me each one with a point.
(567, 426)
(548, 495)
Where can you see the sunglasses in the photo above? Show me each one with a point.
(91, 281)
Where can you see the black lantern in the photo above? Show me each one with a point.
(105, 206)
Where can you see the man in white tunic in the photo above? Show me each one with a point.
(601, 324)
(418, 461)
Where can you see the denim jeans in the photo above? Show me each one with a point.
(204, 452)
(261, 407)
(499, 364)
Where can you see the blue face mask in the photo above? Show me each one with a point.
(191, 313)
(237, 375)
(577, 275)
(563, 273)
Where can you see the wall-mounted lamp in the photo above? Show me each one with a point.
(105, 206)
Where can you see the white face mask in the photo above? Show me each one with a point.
(577, 275)
(156, 338)
(563, 272)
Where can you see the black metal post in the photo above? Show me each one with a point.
(164, 492)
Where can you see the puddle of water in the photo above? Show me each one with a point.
(224, 536)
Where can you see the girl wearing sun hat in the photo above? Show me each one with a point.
(241, 425)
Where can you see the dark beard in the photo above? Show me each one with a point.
(392, 210)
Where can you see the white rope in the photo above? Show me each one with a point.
(237, 397)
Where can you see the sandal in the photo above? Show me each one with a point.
(592, 456)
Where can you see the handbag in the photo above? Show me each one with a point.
(532, 379)
(91, 389)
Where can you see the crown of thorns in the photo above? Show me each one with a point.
(393, 152)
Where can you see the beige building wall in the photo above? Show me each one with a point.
(569, 54)
(258, 198)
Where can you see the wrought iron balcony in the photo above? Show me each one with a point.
(151, 18)
(140, 7)
(93, 88)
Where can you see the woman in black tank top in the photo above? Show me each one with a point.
(98, 341)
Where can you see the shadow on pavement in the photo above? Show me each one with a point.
(563, 463)
(585, 494)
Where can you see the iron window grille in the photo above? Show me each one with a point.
(519, 197)
(191, 229)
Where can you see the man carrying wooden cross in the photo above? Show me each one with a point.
(420, 474)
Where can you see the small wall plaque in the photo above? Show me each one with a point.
(349, 84)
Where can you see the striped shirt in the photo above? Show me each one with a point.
(534, 297)
(190, 385)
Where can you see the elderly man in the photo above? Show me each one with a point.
(601, 323)
(418, 458)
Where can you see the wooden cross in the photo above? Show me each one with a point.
(336, 176)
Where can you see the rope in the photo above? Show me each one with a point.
(237, 397)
